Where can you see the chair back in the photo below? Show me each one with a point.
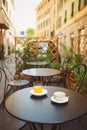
(3, 85)
(9, 67)
(75, 77)
(65, 62)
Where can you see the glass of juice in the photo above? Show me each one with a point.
(38, 86)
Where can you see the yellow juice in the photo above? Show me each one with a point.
(37, 89)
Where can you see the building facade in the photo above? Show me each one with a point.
(7, 29)
(43, 18)
(65, 18)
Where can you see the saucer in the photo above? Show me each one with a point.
(44, 92)
(64, 100)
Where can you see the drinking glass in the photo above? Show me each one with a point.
(38, 86)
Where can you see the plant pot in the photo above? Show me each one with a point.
(70, 83)
(17, 75)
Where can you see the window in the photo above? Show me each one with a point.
(6, 5)
(65, 19)
(85, 2)
(72, 9)
(52, 33)
(4, 2)
(44, 33)
(71, 38)
(64, 1)
(47, 22)
(61, 2)
(58, 22)
(79, 5)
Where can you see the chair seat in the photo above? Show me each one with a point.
(18, 83)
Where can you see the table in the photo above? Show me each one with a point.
(42, 110)
(38, 63)
(41, 72)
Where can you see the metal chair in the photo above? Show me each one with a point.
(75, 77)
(60, 78)
(9, 68)
(7, 121)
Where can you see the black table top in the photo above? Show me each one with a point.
(29, 108)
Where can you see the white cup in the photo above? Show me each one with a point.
(59, 95)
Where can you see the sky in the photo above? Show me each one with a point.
(25, 14)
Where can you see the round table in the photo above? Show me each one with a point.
(40, 73)
(40, 109)
(38, 63)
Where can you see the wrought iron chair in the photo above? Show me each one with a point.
(7, 121)
(15, 84)
(60, 78)
(75, 77)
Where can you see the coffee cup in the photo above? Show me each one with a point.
(58, 95)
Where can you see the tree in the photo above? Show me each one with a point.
(30, 32)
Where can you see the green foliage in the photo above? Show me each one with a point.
(85, 81)
(30, 32)
(41, 57)
(50, 55)
(55, 65)
(47, 56)
(74, 60)
(28, 53)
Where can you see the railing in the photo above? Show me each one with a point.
(79, 44)
(38, 41)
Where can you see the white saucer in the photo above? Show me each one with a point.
(44, 92)
(65, 99)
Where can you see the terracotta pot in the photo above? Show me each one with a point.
(70, 83)
(17, 75)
